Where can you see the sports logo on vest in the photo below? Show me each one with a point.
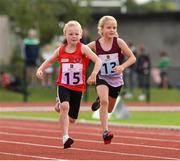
(78, 60)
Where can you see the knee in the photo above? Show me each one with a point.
(64, 107)
(71, 120)
(104, 102)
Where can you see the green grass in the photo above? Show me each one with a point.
(35, 115)
(143, 118)
(160, 95)
(35, 95)
(49, 94)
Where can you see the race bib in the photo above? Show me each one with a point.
(109, 61)
(72, 74)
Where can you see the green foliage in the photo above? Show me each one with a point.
(72, 10)
(159, 6)
(17, 63)
(43, 15)
(151, 6)
(3, 7)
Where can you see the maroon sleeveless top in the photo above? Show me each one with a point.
(114, 49)
(110, 59)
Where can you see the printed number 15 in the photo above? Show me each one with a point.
(75, 78)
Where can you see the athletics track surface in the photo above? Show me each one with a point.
(40, 140)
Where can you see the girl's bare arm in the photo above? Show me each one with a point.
(48, 62)
(131, 59)
(97, 63)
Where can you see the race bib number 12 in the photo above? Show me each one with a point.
(109, 61)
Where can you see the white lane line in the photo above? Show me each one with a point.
(30, 156)
(127, 128)
(30, 118)
(91, 134)
(154, 108)
(95, 134)
(87, 108)
(87, 150)
(93, 141)
(26, 109)
(36, 109)
(82, 121)
(132, 137)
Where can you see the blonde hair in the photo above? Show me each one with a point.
(102, 21)
(72, 23)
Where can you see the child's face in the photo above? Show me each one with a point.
(73, 35)
(109, 29)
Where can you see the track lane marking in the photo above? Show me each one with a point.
(30, 156)
(95, 141)
(93, 134)
(166, 133)
(89, 150)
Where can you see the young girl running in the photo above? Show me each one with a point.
(111, 50)
(73, 58)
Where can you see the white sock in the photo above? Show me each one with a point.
(65, 138)
(118, 99)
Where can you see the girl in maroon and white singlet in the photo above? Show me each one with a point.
(73, 58)
(111, 50)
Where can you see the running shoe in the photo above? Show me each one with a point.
(96, 105)
(107, 137)
(68, 143)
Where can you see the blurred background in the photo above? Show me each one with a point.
(31, 29)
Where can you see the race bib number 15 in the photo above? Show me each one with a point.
(72, 74)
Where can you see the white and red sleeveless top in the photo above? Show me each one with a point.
(73, 68)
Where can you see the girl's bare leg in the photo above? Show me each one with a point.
(103, 92)
(112, 102)
(64, 118)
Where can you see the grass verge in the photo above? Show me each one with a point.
(142, 118)
(41, 94)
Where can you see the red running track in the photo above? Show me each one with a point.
(40, 140)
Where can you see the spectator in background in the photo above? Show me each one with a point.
(129, 75)
(164, 64)
(155, 72)
(31, 55)
(46, 53)
(55, 44)
(11, 82)
(4, 79)
(143, 66)
(85, 36)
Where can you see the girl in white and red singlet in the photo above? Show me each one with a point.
(73, 58)
(111, 50)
